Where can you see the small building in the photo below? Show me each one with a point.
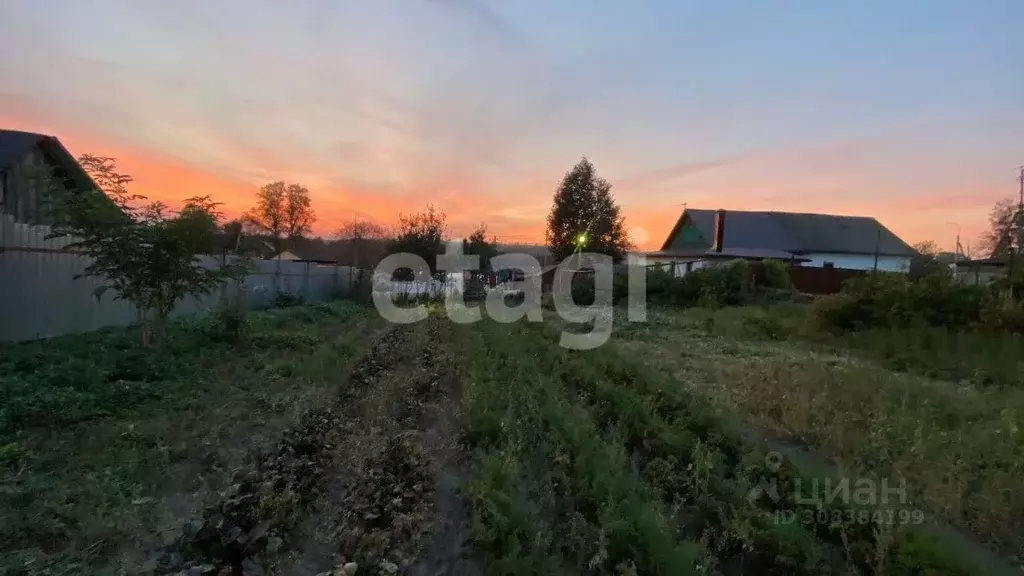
(705, 237)
(980, 271)
(315, 254)
(34, 168)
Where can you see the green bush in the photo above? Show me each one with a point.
(582, 289)
(663, 288)
(620, 288)
(776, 275)
(729, 284)
(734, 283)
(982, 356)
(286, 300)
(892, 300)
(230, 322)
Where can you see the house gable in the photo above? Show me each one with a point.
(34, 170)
(686, 235)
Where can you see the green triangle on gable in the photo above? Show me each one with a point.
(688, 237)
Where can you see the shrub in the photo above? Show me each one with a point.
(763, 324)
(230, 323)
(776, 275)
(729, 284)
(891, 300)
(663, 288)
(582, 288)
(620, 288)
(286, 300)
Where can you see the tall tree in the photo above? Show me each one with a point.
(299, 215)
(421, 234)
(585, 216)
(282, 211)
(364, 240)
(231, 236)
(1006, 221)
(927, 260)
(360, 229)
(477, 243)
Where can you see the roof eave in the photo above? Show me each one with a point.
(850, 252)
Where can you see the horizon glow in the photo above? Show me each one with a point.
(909, 112)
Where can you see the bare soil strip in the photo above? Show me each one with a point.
(373, 481)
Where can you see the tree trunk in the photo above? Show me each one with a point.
(145, 332)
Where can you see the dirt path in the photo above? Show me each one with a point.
(372, 481)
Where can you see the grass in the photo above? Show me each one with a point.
(984, 357)
(638, 457)
(533, 514)
(105, 449)
(957, 443)
(590, 463)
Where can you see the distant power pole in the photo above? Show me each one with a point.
(1020, 202)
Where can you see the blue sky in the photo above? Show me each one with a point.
(910, 111)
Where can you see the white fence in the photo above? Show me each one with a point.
(40, 297)
(431, 287)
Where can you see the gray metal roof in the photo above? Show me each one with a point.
(14, 145)
(799, 233)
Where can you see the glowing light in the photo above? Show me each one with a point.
(639, 235)
(581, 239)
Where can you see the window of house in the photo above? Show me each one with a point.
(829, 265)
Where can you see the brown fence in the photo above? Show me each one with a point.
(814, 280)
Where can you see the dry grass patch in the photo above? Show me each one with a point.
(958, 446)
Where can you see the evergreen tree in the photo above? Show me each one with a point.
(584, 216)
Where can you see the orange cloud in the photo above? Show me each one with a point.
(808, 179)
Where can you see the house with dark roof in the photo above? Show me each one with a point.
(703, 237)
(362, 253)
(315, 254)
(34, 167)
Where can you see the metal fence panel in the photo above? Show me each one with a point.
(40, 296)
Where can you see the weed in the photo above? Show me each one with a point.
(104, 446)
(286, 300)
(956, 444)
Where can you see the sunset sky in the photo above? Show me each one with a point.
(911, 111)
